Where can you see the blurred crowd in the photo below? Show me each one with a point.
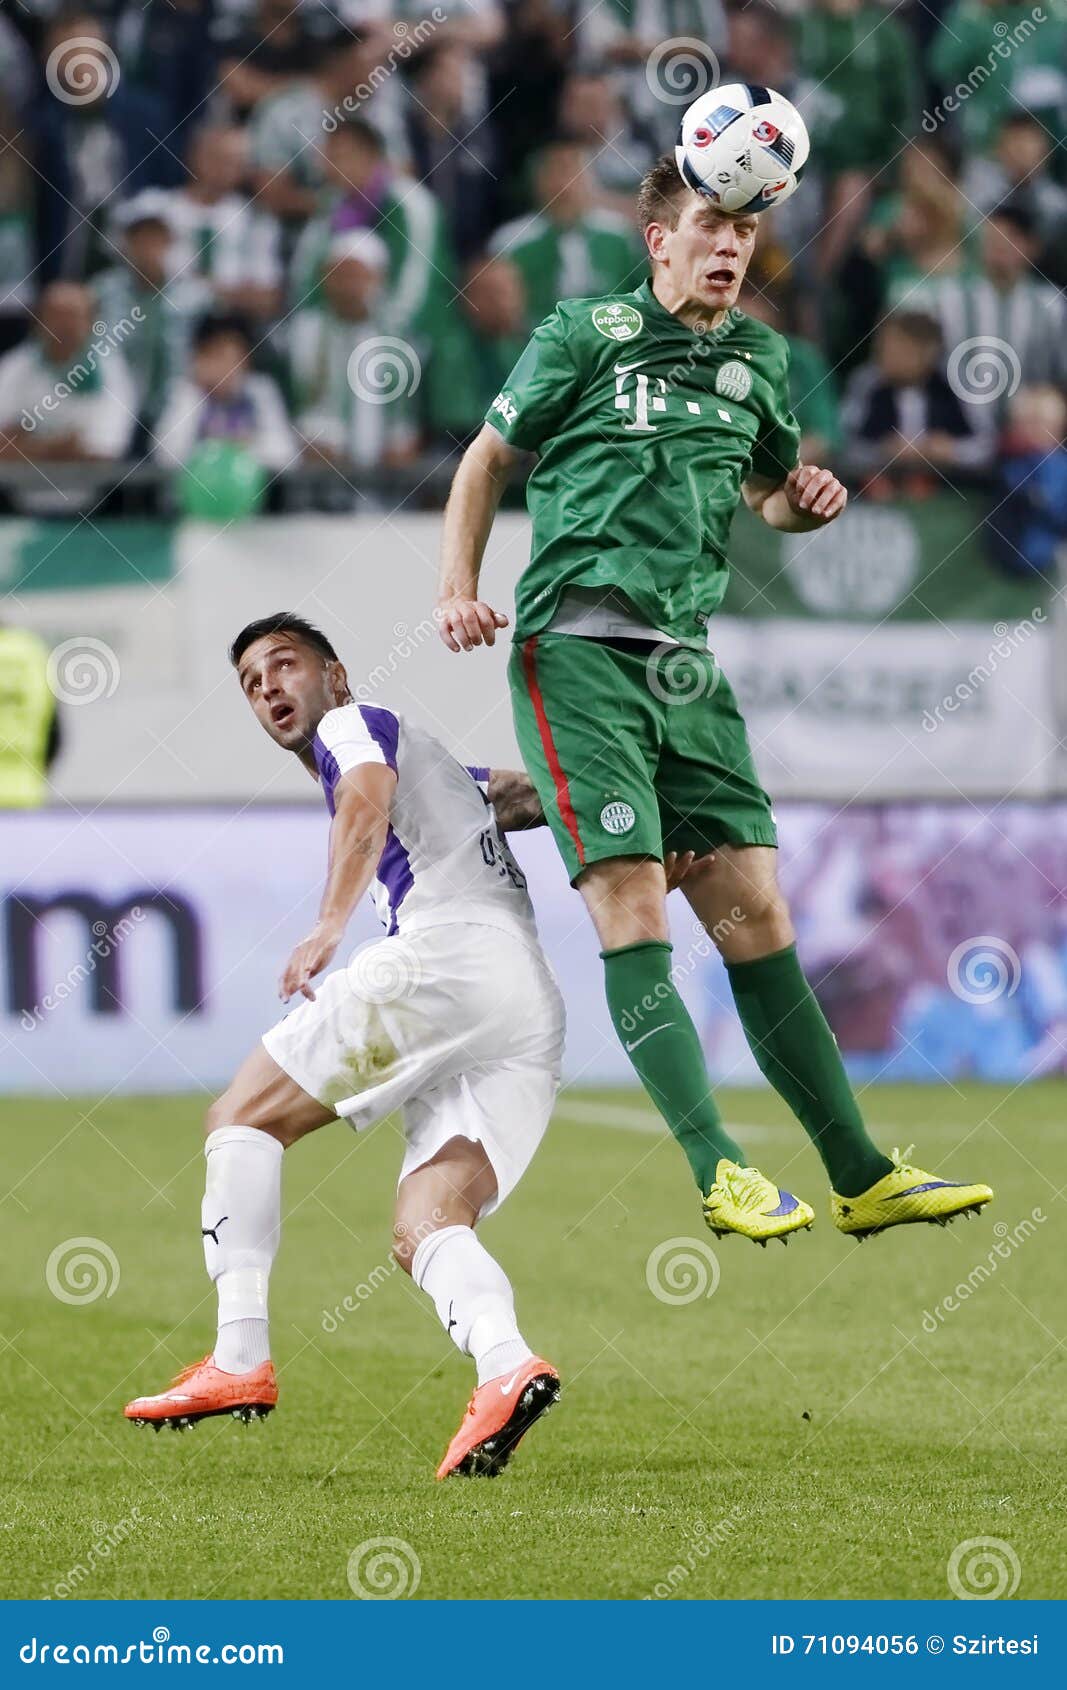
(239, 237)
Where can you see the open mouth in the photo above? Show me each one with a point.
(282, 715)
(720, 278)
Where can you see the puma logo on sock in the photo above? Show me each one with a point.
(213, 1231)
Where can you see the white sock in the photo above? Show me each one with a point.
(242, 1345)
(241, 1222)
(473, 1298)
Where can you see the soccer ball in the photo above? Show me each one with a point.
(742, 146)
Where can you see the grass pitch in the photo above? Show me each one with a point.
(823, 1424)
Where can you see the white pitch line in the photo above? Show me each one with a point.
(633, 1119)
(630, 1117)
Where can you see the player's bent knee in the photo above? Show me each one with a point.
(404, 1246)
(626, 897)
(231, 1110)
(409, 1232)
(218, 1115)
(763, 927)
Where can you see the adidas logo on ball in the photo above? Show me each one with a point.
(743, 146)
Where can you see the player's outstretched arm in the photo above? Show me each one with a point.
(465, 620)
(808, 498)
(362, 799)
(514, 799)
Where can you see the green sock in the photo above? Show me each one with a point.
(792, 1042)
(659, 1037)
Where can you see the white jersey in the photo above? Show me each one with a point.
(445, 859)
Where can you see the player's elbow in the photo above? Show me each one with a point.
(489, 454)
(756, 494)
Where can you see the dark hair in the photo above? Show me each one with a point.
(1020, 120)
(944, 148)
(358, 129)
(1018, 214)
(282, 622)
(662, 191)
(918, 326)
(219, 324)
(425, 57)
(769, 19)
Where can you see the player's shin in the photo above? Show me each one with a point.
(792, 1042)
(473, 1298)
(241, 1223)
(658, 1035)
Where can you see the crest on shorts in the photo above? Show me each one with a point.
(618, 321)
(734, 380)
(617, 817)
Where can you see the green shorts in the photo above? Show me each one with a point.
(634, 750)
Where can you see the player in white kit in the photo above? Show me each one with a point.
(454, 1019)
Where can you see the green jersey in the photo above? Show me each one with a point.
(646, 430)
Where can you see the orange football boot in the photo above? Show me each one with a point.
(498, 1416)
(202, 1390)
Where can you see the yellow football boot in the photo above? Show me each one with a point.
(904, 1196)
(743, 1200)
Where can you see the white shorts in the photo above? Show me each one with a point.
(461, 1027)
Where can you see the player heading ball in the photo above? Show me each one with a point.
(652, 415)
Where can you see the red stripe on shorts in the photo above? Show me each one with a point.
(548, 745)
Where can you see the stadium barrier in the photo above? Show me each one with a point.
(886, 657)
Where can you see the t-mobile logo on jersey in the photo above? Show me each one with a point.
(649, 395)
(640, 401)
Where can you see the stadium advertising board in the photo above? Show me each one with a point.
(141, 949)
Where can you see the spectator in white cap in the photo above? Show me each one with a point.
(147, 306)
(355, 382)
(365, 191)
